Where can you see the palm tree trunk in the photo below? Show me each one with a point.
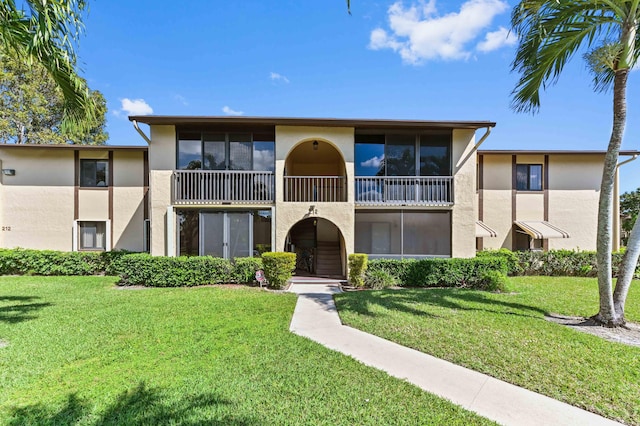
(627, 270)
(607, 315)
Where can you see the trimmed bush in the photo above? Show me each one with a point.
(379, 279)
(244, 269)
(437, 272)
(513, 262)
(357, 269)
(493, 281)
(160, 271)
(49, 262)
(278, 267)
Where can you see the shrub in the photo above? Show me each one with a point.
(513, 262)
(379, 279)
(162, 271)
(493, 281)
(278, 267)
(244, 269)
(396, 268)
(50, 262)
(357, 269)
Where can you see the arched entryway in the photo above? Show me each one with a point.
(319, 247)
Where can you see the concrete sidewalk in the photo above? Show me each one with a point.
(316, 318)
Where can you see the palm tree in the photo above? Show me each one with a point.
(47, 33)
(550, 33)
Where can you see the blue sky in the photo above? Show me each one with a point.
(428, 60)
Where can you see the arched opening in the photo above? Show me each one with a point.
(315, 171)
(319, 247)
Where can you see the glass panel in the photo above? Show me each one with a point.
(264, 158)
(92, 235)
(522, 177)
(102, 174)
(377, 232)
(88, 173)
(189, 151)
(239, 235)
(369, 159)
(215, 152)
(212, 234)
(400, 156)
(188, 222)
(427, 233)
(435, 158)
(240, 156)
(261, 232)
(535, 177)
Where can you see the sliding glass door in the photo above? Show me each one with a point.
(226, 234)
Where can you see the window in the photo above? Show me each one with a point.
(92, 235)
(225, 151)
(529, 177)
(403, 233)
(94, 173)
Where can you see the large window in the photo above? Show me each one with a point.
(94, 173)
(225, 151)
(92, 235)
(403, 233)
(529, 177)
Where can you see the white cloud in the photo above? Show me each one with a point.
(373, 162)
(181, 99)
(263, 159)
(496, 39)
(274, 76)
(230, 111)
(135, 107)
(419, 34)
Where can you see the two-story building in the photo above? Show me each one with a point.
(323, 188)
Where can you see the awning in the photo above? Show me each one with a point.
(541, 230)
(482, 230)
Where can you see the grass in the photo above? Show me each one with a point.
(79, 351)
(506, 336)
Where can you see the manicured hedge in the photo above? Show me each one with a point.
(357, 269)
(437, 272)
(555, 262)
(49, 262)
(278, 267)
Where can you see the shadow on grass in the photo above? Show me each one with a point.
(138, 406)
(20, 310)
(413, 301)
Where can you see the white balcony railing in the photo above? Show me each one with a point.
(222, 186)
(315, 188)
(405, 190)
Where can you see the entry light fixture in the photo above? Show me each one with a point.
(9, 172)
(315, 145)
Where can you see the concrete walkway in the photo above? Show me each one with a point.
(316, 318)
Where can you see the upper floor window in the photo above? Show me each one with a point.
(225, 151)
(427, 154)
(529, 177)
(94, 173)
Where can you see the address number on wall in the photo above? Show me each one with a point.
(6, 228)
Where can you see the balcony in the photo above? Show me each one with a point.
(405, 190)
(315, 188)
(222, 187)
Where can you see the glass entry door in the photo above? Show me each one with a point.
(226, 234)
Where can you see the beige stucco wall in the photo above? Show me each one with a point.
(464, 211)
(340, 214)
(162, 152)
(574, 182)
(38, 202)
(160, 199)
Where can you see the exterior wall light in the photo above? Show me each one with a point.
(9, 172)
(315, 145)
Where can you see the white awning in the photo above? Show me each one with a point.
(482, 230)
(541, 230)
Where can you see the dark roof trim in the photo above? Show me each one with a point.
(549, 152)
(74, 147)
(319, 122)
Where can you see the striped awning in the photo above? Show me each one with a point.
(541, 230)
(482, 230)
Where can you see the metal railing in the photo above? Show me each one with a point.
(407, 190)
(315, 188)
(222, 186)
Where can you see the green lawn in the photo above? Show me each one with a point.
(79, 351)
(506, 336)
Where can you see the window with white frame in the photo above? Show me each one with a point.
(92, 235)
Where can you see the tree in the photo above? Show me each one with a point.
(629, 208)
(32, 107)
(46, 33)
(550, 33)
